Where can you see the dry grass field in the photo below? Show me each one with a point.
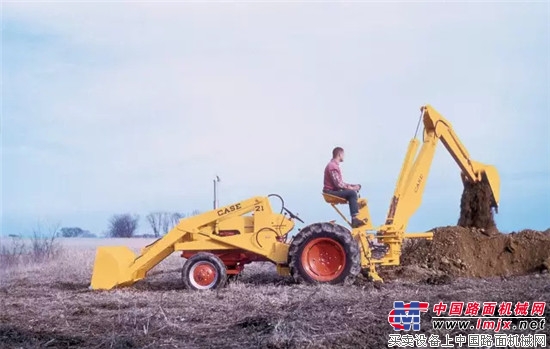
(49, 305)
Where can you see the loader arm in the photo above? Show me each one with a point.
(119, 266)
(416, 166)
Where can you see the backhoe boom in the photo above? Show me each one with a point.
(415, 169)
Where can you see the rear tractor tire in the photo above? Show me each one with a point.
(204, 271)
(324, 253)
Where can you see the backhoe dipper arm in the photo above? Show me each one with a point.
(414, 171)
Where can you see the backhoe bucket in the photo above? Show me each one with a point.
(493, 179)
(112, 267)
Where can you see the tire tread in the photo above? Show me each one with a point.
(335, 231)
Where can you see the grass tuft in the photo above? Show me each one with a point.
(40, 248)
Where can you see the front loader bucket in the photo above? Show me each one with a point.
(112, 267)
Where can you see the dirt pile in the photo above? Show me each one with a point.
(475, 207)
(473, 248)
(459, 251)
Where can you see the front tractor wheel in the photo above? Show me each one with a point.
(324, 253)
(204, 271)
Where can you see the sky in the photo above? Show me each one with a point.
(134, 107)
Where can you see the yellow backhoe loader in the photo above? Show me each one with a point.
(219, 243)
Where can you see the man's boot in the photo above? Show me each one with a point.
(356, 222)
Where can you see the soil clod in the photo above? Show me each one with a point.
(475, 207)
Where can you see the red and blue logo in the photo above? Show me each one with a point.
(406, 316)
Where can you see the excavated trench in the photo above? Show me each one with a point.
(475, 247)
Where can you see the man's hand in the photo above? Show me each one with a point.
(356, 187)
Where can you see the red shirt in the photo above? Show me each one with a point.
(333, 177)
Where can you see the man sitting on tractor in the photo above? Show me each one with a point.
(334, 185)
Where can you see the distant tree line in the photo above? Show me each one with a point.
(125, 225)
(74, 232)
(160, 222)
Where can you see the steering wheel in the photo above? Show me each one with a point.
(292, 215)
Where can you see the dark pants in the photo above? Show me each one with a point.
(348, 194)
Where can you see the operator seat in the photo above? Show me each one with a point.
(334, 200)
